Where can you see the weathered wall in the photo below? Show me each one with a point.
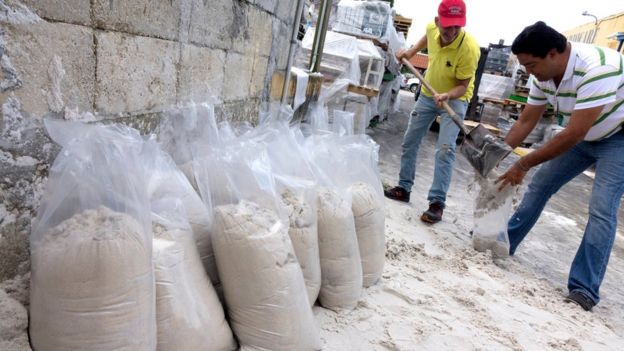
(126, 60)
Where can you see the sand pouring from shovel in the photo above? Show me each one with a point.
(482, 149)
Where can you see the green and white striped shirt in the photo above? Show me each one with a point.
(594, 77)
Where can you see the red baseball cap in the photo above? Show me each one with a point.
(452, 13)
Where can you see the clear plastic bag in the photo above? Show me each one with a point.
(92, 285)
(165, 180)
(188, 311)
(341, 266)
(491, 213)
(186, 132)
(359, 173)
(297, 185)
(265, 292)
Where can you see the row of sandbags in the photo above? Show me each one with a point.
(126, 255)
(323, 178)
(114, 250)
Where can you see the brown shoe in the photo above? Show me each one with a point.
(397, 193)
(434, 213)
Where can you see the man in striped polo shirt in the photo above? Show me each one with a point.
(586, 84)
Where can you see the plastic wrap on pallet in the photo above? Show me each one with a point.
(362, 18)
(491, 113)
(495, 87)
(357, 104)
(340, 58)
(372, 64)
(394, 39)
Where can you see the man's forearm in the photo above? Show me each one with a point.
(526, 122)
(457, 92)
(561, 143)
(420, 45)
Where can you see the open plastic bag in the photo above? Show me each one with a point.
(165, 180)
(186, 132)
(92, 285)
(358, 172)
(188, 311)
(296, 183)
(341, 266)
(262, 281)
(491, 213)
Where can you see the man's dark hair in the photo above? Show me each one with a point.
(537, 40)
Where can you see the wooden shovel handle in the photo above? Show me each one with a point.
(446, 106)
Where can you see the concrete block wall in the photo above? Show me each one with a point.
(126, 60)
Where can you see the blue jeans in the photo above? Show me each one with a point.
(424, 113)
(590, 263)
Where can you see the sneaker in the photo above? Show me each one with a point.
(581, 299)
(397, 193)
(434, 213)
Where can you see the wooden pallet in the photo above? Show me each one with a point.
(402, 24)
(366, 91)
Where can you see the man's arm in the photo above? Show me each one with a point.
(526, 122)
(407, 54)
(455, 93)
(580, 123)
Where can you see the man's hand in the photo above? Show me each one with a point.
(400, 55)
(514, 176)
(440, 98)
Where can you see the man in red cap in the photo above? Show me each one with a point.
(453, 58)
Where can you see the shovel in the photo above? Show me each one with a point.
(482, 149)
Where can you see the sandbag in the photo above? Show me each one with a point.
(189, 314)
(303, 233)
(369, 218)
(92, 284)
(341, 267)
(92, 288)
(262, 282)
(491, 213)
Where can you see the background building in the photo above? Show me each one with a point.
(607, 32)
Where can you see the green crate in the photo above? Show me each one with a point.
(518, 98)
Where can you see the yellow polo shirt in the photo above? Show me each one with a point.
(456, 61)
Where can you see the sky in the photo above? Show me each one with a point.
(491, 20)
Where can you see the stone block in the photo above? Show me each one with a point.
(239, 111)
(281, 44)
(158, 19)
(215, 23)
(50, 66)
(70, 11)
(285, 10)
(259, 82)
(260, 33)
(134, 74)
(268, 5)
(201, 74)
(238, 72)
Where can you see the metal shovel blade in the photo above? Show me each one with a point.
(483, 150)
